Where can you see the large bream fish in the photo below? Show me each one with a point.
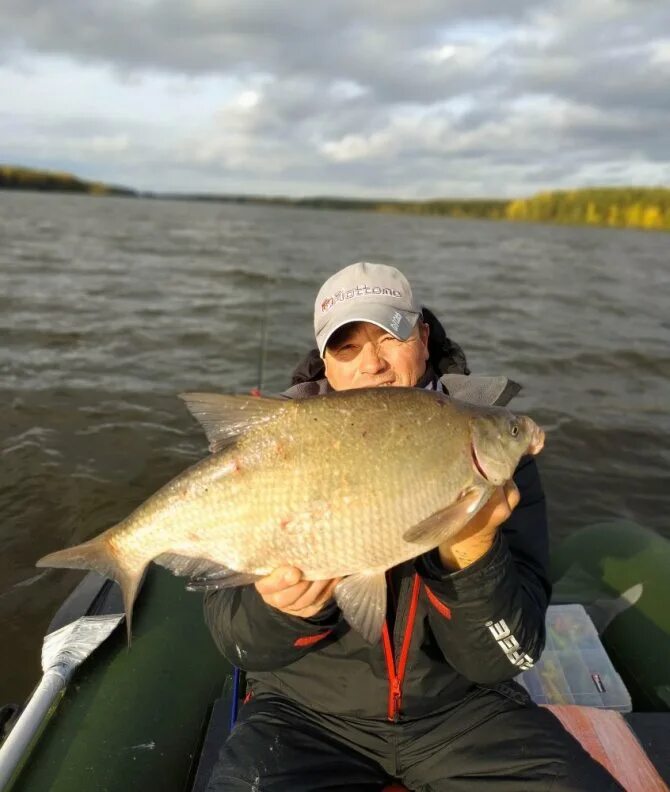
(346, 484)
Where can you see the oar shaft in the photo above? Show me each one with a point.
(16, 747)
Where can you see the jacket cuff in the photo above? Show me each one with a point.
(328, 616)
(468, 585)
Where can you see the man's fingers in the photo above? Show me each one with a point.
(511, 494)
(316, 594)
(310, 595)
(502, 503)
(288, 597)
(498, 508)
(330, 591)
(278, 580)
(284, 589)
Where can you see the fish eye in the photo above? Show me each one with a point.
(514, 429)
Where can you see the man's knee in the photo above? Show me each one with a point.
(275, 748)
(508, 741)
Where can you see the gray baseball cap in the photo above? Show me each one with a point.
(365, 292)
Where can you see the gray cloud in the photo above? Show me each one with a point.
(284, 37)
(424, 98)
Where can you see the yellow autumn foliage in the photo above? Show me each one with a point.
(623, 207)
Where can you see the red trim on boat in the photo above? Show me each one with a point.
(308, 640)
(440, 607)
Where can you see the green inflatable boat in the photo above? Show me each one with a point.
(154, 716)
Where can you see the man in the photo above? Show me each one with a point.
(433, 704)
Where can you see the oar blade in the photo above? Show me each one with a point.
(69, 646)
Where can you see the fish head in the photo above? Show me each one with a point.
(498, 441)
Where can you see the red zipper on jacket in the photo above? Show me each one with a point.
(396, 676)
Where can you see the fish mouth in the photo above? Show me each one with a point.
(537, 440)
(476, 463)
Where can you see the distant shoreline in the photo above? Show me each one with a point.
(615, 207)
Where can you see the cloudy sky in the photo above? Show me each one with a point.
(403, 98)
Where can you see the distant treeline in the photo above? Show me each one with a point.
(491, 209)
(628, 207)
(14, 178)
(622, 207)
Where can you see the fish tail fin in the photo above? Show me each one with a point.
(97, 555)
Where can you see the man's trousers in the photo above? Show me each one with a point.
(495, 739)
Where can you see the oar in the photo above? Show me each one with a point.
(84, 621)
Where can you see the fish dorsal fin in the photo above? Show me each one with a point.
(225, 417)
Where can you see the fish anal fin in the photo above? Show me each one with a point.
(224, 417)
(447, 522)
(97, 555)
(362, 599)
(227, 578)
(206, 574)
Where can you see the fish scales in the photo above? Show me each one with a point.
(334, 534)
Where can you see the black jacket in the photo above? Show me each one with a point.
(446, 632)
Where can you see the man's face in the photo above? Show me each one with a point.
(362, 355)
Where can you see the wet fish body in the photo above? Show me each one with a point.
(346, 484)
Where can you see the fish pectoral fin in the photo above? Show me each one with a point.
(206, 574)
(224, 416)
(447, 522)
(362, 600)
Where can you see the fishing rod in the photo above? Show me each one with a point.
(262, 342)
(257, 391)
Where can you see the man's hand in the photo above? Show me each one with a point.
(479, 533)
(285, 590)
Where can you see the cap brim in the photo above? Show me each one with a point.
(399, 323)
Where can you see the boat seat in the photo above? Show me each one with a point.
(610, 740)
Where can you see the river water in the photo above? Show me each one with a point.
(109, 307)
